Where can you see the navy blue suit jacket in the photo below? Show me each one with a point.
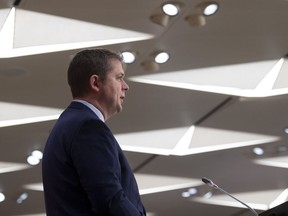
(84, 170)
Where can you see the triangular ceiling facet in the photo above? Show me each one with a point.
(53, 33)
(18, 114)
(254, 79)
(186, 141)
(260, 200)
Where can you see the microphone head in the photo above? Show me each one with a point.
(206, 180)
(209, 182)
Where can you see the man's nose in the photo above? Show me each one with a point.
(125, 86)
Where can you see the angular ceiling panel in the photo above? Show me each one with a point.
(49, 29)
(260, 200)
(3, 16)
(149, 183)
(156, 142)
(17, 114)
(53, 33)
(281, 161)
(228, 80)
(186, 141)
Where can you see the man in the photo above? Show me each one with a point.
(84, 171)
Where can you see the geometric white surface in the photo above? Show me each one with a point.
(281, 162)
(260, 200)
(159, 183)
(17, 114)
(187, 141)
(154, 141)
(266, 78)
(53, 33)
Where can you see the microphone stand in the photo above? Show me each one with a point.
(211, 184)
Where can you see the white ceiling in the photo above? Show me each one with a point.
(223, 92)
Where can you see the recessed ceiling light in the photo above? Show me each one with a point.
(286, 130)
(38, 154)
(22, 197)
(210, 9)
(170, 9)
(185, 194)
(128, 57)
(2, 197)
(35, 157)
(258, 151)
(33, 160)
(192, 191)
(162, 57)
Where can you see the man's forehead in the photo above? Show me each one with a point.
(117, 68)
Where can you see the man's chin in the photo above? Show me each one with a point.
(119, 108)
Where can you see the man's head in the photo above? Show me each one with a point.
(97, 76)
(86, 63)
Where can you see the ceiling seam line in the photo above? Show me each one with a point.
(140, 166)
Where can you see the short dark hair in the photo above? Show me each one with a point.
(87, 63)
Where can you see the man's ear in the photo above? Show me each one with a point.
(94, 82)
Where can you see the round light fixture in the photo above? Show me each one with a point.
(33, 160)
(38, 154)
(185, 194)
(170, 9)
(208, 8)
(192, 191)
(35, 157)
(162, 57)
(128, 57)
(2, 197)
(258, 151)
(22, 198)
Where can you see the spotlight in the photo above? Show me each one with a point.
(163, 15)
(192, 191)
(208, 8)
(22, 198)
(171, 9)
(128, 57)
(35, 157)
(2, 197)
(258, 151)
(185, 194)
(161, 57)
(38, 154)
(33, 160)
(155, 59)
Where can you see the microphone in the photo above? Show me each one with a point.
(213, 185)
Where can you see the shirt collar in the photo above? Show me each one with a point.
(92, 107)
